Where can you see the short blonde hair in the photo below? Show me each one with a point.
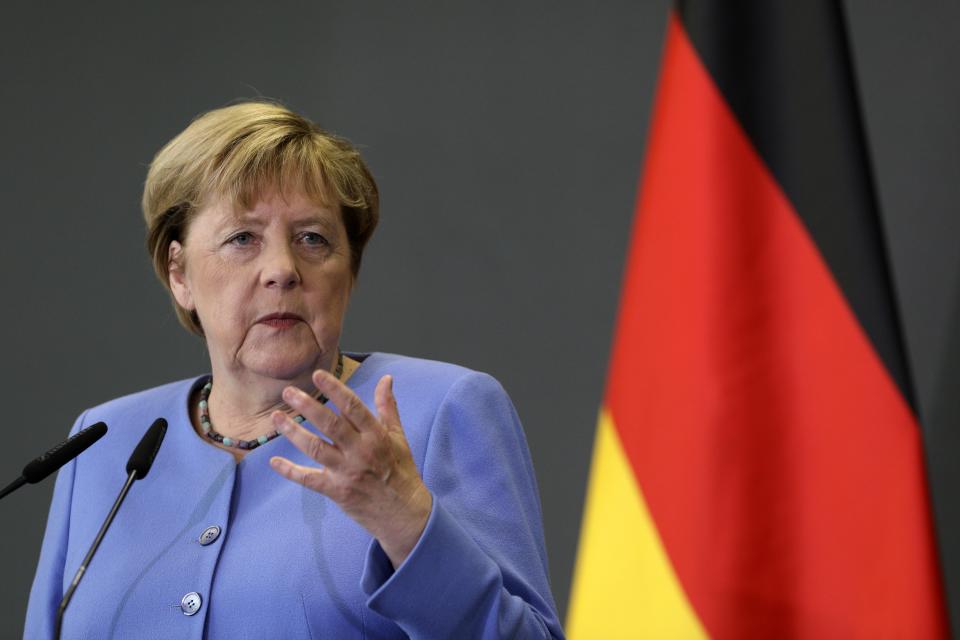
(241, 152)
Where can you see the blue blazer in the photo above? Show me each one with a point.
(284, 561)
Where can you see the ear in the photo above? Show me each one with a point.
(177, 275)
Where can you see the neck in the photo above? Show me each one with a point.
(240, 402)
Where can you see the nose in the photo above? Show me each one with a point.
(279, 268)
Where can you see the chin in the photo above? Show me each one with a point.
(285, 368)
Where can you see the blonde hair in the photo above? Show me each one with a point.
(240, 153)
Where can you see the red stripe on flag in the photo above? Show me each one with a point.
(781, 465)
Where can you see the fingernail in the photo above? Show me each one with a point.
(280, 421)
(292, 394)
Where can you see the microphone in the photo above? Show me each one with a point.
(142, 457)
(138, 466)
(39, 468)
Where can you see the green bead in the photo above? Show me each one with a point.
(263, 439)
(228, 442)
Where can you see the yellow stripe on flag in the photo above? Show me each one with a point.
(623, 584)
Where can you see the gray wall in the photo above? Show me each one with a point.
(507, 139)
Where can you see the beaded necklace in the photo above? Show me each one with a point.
(237, 443)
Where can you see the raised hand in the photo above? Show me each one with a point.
(368, 469)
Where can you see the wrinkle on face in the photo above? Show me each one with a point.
(279, 266)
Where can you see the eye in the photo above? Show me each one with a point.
(312, 239)
(242, 239)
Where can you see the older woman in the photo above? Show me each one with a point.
(302, 491)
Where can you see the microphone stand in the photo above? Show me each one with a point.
(13, 486)
(138, 465)
(93, 549)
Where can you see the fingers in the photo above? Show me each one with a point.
(386, 403)
(368, 471)
(351, 407)
(309, 443)
(310, 477)
(341, 431)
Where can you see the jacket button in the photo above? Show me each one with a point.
(209, 535)
(190, 603)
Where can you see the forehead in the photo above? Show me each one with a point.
(272, 207)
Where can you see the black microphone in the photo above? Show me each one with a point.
(137, 467)
(142, 457)
(39, 468)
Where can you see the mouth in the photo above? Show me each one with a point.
(280, 320)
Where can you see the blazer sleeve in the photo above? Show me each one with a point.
(479, 569)
(47, 590)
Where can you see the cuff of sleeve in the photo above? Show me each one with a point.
(444, 559)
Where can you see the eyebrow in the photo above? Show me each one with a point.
(322, 220)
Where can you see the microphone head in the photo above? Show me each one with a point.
(142, 457)
(41, 467)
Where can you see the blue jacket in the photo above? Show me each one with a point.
(287, 563)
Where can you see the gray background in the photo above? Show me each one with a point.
(507, 139)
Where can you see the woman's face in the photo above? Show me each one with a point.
(270, 284)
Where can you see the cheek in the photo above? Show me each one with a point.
(219, 294)
(330, 298)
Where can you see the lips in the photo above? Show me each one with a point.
(280, 320)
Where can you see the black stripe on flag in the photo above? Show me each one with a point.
(785, 69)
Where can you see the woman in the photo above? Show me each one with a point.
(404, 506)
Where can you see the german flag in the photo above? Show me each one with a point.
(758, 470)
